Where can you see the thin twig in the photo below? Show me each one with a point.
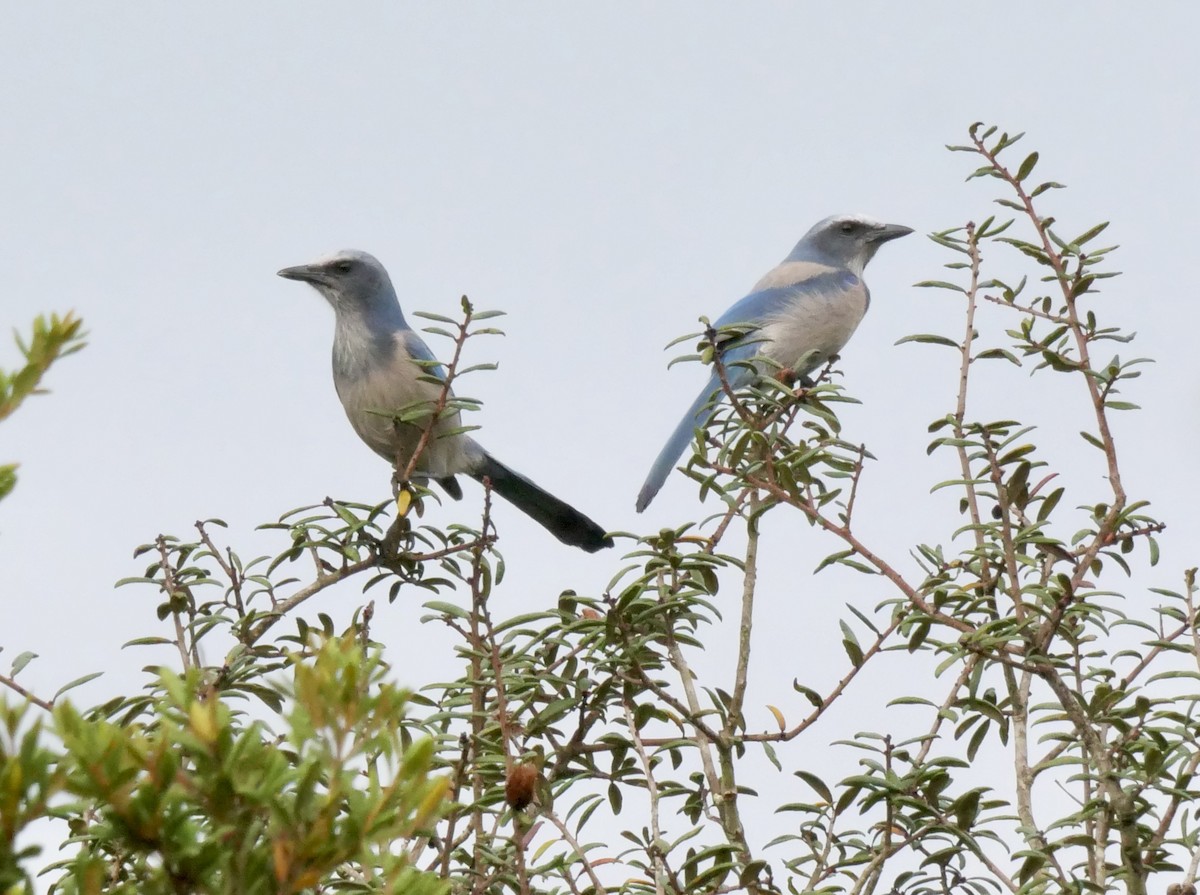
(652, 791)
(17, 688)
(574, 843)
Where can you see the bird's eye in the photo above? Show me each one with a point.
(849, 226)
(342, 267)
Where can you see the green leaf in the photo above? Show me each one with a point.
(78, 682)
(148, 641)
(1088, 235)
(1027, 166)
(21, 661)
(52, 339)
(1016, 453)
(977, 739)
(1048, 185)
(770, 752)
(966, 809)
(940, 284)
(1048, 505)
(614, 798)
(911, 700)
(8, 479)
(452, 610)
(946, 242)
(929, 339)
(437, 318)
(1000, 353)
(487, 315)
(817, 784)
(854, 651)
(808, 693)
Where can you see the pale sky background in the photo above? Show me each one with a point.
(604, 174)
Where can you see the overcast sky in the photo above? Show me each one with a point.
(604, 173)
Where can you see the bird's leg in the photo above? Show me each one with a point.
(789, 377)
(406, 496)
(398, 531)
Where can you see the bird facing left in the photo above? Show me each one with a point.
(381, 367)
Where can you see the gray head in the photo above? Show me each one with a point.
(849, 240)
(353, 282)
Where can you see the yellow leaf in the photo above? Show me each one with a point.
(435, 798)
(779, 719)
(403, 502)
(203, 718)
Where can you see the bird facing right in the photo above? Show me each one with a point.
(800, 315)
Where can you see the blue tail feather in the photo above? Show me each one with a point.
(696, 416)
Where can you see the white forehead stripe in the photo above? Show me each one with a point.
(349, 255)
(864, 219)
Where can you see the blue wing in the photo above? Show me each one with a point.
(759, 305)
(780, 286)
(418, 350)
(777, 291)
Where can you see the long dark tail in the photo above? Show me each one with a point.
(560, 519)
(695, 418)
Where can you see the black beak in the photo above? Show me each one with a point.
(888, 232)
(305, 273)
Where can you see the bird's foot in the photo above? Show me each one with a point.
(408, 499)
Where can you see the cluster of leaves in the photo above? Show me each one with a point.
(52, 339)
(196, 797)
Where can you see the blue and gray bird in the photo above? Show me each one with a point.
(799, 315)
(376, 374)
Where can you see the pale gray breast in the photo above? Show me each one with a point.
(812, 327)
(394, 386)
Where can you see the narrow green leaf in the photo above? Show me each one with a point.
(939, 284)
(8, 479)
(1027, 166)
(1049, 504)
(438, 318)
(929, 339)
(817, 784)
(1048, 185)
(774, 759)
(1000, 353)
(21, 661)
(854, 651)
(79, 681)
(1088, 235)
